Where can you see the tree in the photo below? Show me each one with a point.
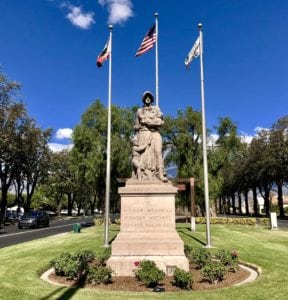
(23, 147)
(12, 116)
(279, 153)
(228, 146)
(262, 164)
(34, 157)
(88, 156)
(181, 137)
(57, 184)
(183, 148)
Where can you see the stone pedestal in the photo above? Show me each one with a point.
(147, 229)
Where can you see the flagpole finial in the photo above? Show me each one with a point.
(200, 26)
(156, 14)
(110, 27)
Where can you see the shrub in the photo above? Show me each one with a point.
(60, 263)
(238, 221)
(72, 266)
(106, 254)
(250, 221)
(214, 271)
(183, 279)
(99, 274)
(201, 257)
(275, 208)
(84, 255)
(187, 249)
(117, 221)
(228, 259)
(224, 256)
(101, 259)
(148, 273)
(67, 266)
(99, 222)
(264, 221)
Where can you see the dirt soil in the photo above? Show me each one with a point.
(131, 284)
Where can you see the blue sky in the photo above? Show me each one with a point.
(50, 46)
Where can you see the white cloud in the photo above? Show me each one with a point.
(78, 17)
(246, 138)
(119, 10)
(64, 133)
(259, 129)
(212, 138)
(55, 147)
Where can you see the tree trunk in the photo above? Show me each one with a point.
(30, 191)
(27, 204)
(215, 205)
(220, 205)
(4, 190)
(280, 199)
(233, 204)
(228, 205)
(246, 203)
(93, 203)
(5, 184)
(240, 204)
(255, 201)
(59, 205)
(224, 204)
(70, 203)
(266, 200)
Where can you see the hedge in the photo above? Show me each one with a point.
(238, 221)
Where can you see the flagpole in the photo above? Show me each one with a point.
(107, 193)
(156, 59)
(205, 165)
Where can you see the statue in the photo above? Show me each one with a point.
(147, 158)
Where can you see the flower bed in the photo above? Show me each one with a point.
(202, 274)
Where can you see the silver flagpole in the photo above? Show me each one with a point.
(107, 194)
(205, 165)
(156, 59)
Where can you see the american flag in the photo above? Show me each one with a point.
(148, 41)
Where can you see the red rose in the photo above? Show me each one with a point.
(136, 263)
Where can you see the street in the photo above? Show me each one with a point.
(12, 235)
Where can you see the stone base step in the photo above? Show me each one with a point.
(125, 265)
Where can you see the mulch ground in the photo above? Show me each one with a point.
(131, 284)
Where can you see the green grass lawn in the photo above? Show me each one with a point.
(20, 264)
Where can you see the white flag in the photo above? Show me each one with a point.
(193, 53)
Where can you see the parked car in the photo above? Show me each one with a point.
(51, 213)
(11, 216)
(34, 219)
(64, 212)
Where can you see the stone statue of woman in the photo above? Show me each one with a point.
(147, 144)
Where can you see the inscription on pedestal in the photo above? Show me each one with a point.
(147, 218)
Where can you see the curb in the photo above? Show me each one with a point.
(45, 277)
(252, 266)
(252, 277)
